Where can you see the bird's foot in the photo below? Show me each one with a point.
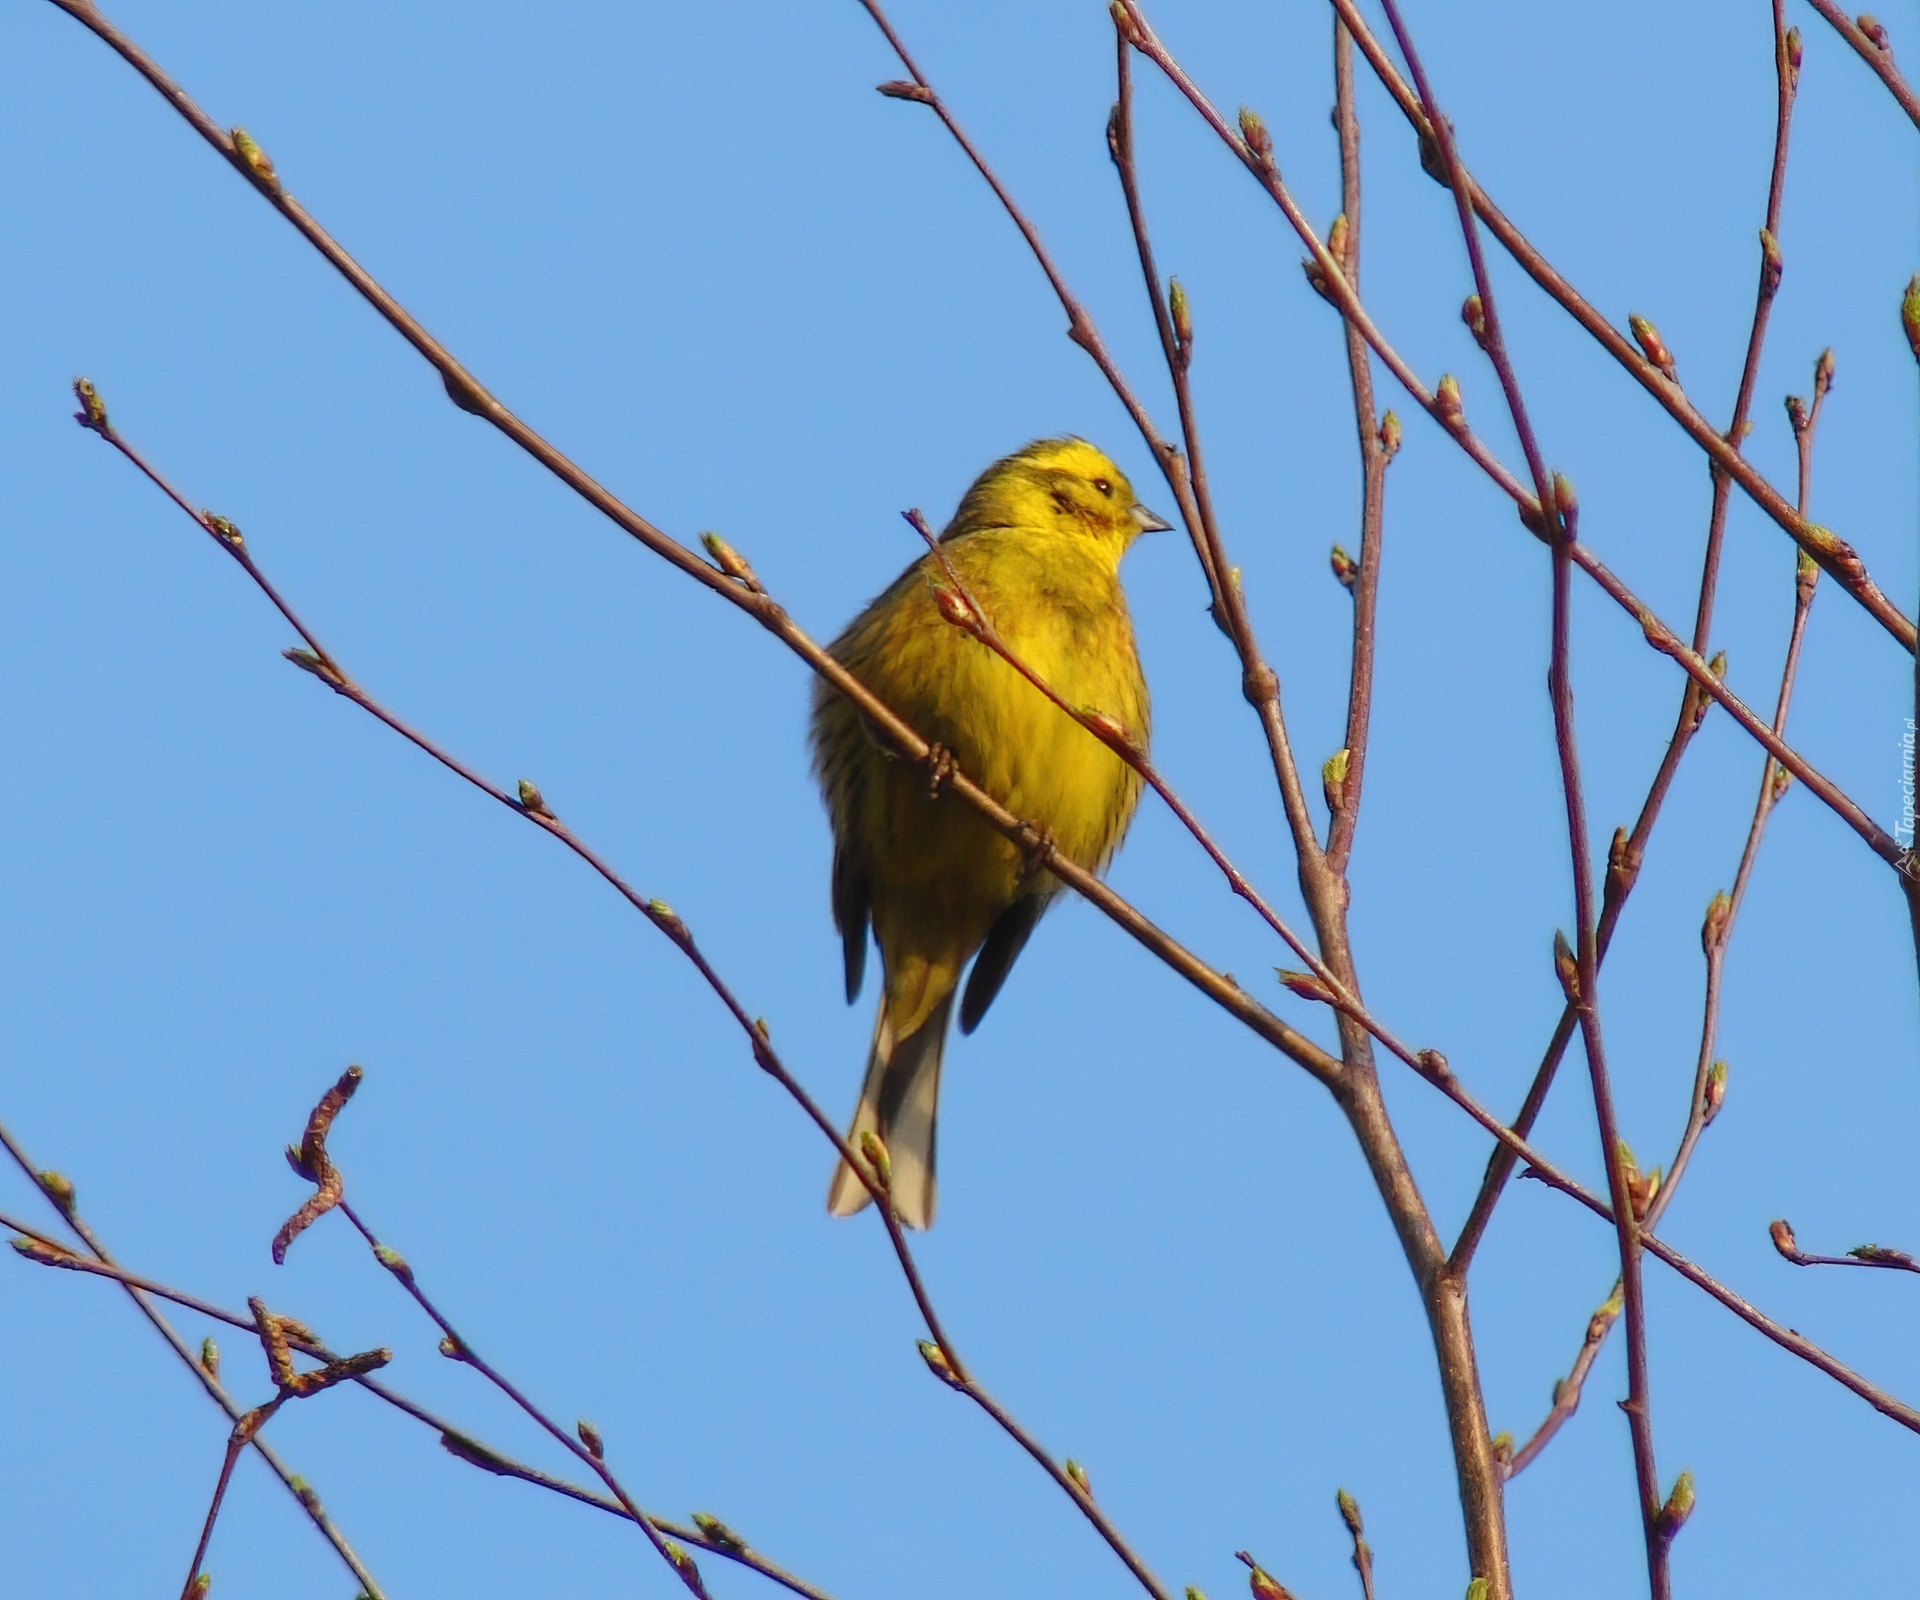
(1036, 846)
(939, 761)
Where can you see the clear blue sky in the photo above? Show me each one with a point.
(694, 247)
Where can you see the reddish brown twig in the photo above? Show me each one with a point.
(1861, 1255)
(242, 1435)
(1362, 1551)
(1623, 868)
(60, 1195)
(735, 588)
(1875, 49)
(1833, 554)
(1259, 683)
(1378, 440)
(530, 804)
(41, 1248)
(1567, 1390)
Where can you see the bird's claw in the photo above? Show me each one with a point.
(1036, 846)
(939, 769)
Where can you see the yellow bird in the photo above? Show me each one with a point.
(1037, 541)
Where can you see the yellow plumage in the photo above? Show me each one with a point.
(1037, 541)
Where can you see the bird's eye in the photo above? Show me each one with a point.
(1103, 486)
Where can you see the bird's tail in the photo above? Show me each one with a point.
(899, 1102)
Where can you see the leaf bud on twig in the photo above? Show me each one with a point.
(719, 1534)
(1337, 236)
(1701, 699)
(1619, 870)
(202, 1583)
(1349, 1511)
(1446, 402)
(1196, 1594)
(307, 661)
(1713, 928)
(1796, 414)
(254, 161)
(1881, 1255)
(531, 801)
(1477, 1589)
(938, 1365)
(92, 414)
(1261, 1583)
(1305, 985)
(683, 1565)
(953, 607)
(1259, 142)
(394, 1262)
(1781, 1232)
(1474, 315)
(1077, 1476)
(1771, 264)
(1181, 316)
(58, 1188)
(1647, 336)
(1782, 781)
(874, 1149)
(224, 531)
(1565, 967)
(1716, 1091)
(730, 561)
(1679, 1506)
(590, 1437)
(452, 1348)
(1793, 50)
(1875, 30)
(902, 89)
(210, 1358)
(1333, 779)
(1345, 568)
(1910, 314)
(1390, 435)
(1823, 372)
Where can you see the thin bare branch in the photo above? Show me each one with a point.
(1861, 1255)
(1873, 48)
(1567, 1390)
(60, 1195)
(1833, 553)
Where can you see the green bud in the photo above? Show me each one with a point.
(1390, 435)
(391, 1259)
(1713, 927)
(1910, 314)
(1772, 265)
(937, 1363)
(1647, 336)
(719, 1534)
(531, 801)
(1077, 1476)
(1446, 402)
(1345, 568)
(210, 1358)
(93, 410)
(1474, 315)
(874, 1148)
(1349, 1511)
(254, 161)
(1254, 133)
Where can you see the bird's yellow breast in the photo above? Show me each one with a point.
(938, 876)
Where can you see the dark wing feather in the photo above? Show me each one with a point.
(997, 955)
(850, 900)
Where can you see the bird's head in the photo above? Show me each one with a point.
(1063, 486)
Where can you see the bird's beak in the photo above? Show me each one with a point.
(1149, 521)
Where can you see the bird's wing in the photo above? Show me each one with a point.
(1004, 944)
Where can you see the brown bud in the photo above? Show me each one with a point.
(1796, 414)
(1713, 928)
(1306, 985)
(1771, 264)
(901, 89)
(1565, 967)
(1783, 1240)
(1337, 236)
(1261, 1583)
(93, 410)
(1649, 340)
(719, 1534)
(953, 607)
(1716, 1091)
(531, 801)
(1823, 372)
(1619, 869)
(1258, 141)
(1875, 30)
(1345, 568)
(590, 1437)
(1793, 50)
(1474, 315)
